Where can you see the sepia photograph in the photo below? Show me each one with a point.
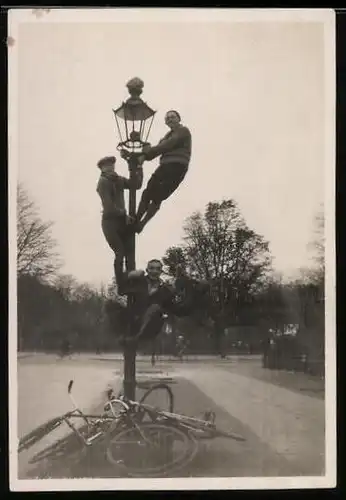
(171, 249)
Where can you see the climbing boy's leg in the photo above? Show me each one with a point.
(119, 270)
(113, 228)
(162, 184)
(152, 210)
(143, 204)
(150, 200)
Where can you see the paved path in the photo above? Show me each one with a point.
(284, 429)
(290, 423)
(42, 388)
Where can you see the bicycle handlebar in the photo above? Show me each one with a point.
(69, 391)
(126, 405)
(69, 387)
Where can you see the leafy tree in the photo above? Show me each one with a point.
(65, 284)
(219, 247)
(49, 314)
(175, 257)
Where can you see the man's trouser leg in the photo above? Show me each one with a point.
(151, 323)
(112, 228)
(143, 204)
(152, 210)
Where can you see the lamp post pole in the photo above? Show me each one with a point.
(137, 118)
(129, 347)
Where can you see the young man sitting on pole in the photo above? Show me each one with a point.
(154, 298)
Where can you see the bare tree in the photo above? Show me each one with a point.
(315, 272)
(318, 242)
(36, 248)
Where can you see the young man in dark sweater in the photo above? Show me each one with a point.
(175, 153)
(154, 298)
(115, 221)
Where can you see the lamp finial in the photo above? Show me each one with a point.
(135, 86)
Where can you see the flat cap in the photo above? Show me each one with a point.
(107, 160)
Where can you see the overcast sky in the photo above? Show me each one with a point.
(252, 95)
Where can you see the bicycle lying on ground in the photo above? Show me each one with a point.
(138, 439)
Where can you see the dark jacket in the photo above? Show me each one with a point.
(119, 315)
(175, 147)
(180, 300)
(163, 296)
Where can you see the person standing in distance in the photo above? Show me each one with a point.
(175, 154)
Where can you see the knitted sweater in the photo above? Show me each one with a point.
(174, 147)
(111, 188)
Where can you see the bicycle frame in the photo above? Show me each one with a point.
(128, 410)
(191, 423)
(130, 415)
(90, 420)
(93, 422)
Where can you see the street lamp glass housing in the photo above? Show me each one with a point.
(134, 119)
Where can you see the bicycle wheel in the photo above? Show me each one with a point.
(39, 433)
(151, 450)
(160, 387)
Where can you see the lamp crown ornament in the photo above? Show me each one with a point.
(134, 118)
(135, 86)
